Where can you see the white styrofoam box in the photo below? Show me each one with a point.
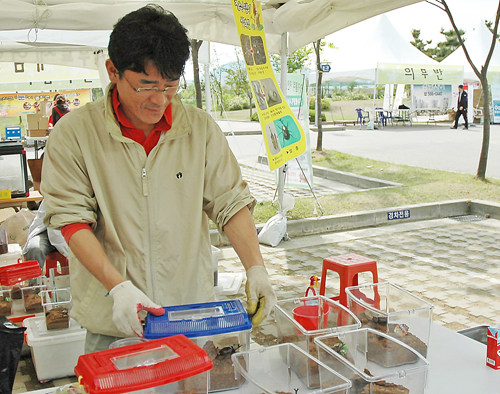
(11, 257)
(54, 353)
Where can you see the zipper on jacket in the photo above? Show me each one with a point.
(145, 189)
(145, 192)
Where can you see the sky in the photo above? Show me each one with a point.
(423, 16)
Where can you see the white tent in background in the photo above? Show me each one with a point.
(478, 43)
(361, 47)
(210, 20)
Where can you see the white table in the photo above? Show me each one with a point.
(35, 141)
(458, 365)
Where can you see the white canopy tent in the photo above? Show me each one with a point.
(361, 47)
(210, 20)
(478, 43)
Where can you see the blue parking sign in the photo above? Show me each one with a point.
(325, 68)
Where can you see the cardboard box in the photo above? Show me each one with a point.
(43, 123)
(37, 133)
(45, 108)
(33, 121)
(493, 347)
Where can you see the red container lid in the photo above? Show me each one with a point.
(15, 273)
(142, 365)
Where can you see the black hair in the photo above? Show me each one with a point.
(461, 86)
(149, 33)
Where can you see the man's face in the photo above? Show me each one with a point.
(144, 108)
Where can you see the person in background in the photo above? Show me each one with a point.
(132, 181)
(60, 109)
(461, 108)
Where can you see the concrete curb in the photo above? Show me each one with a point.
(381, 217)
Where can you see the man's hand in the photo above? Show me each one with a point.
(128, 300)
(260, 294)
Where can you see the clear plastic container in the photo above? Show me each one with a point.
(56, 306)
(221, 328)
(32, 299)
(5, 303)
(166, 365)
(299, 320)
(374, 362)
(283, 369)
(390, 309)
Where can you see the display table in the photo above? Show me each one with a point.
(458, 364)
(35, 141)
(21, 202)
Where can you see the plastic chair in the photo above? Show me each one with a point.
(380, 118)
(51, 262)
(347, 266)
(363, 116)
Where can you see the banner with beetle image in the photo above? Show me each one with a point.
(283, 134)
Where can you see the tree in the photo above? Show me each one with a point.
(418, 43)
(216, 76)
(296, 61)
(237, 79)
(482, 75)
(443, 48)
(195, 47)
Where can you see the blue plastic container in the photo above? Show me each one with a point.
(221, 328)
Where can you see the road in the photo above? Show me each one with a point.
(428, 146)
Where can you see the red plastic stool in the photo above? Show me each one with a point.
(348, 266)
(51, 261)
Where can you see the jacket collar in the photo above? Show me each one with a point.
(180, 124)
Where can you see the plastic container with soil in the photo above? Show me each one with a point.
(374, 362)
(390, 309)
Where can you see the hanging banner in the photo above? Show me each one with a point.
(283, 134)
(432, 97)
(299, 171)
(17, 104)
(419, 74)
(495, 98)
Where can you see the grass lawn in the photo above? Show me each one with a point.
(420, 185)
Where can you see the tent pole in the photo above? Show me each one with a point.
(208, 94)
(283, 85)
(371, 123)
(100, 60)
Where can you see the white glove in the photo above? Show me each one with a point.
(128, 300)
(260, 294)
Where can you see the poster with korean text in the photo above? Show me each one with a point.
(283, 134)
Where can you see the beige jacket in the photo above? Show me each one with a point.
(149, 212)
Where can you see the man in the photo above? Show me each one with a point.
(461, 108)
(132, 180)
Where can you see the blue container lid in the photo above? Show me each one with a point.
(198, 320)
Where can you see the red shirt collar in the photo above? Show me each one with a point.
(165, 122)
(130, 131)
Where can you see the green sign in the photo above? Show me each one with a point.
(419, 74)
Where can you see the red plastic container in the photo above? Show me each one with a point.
(142, 365)
(15, 273)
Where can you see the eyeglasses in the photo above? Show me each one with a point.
(146, 92)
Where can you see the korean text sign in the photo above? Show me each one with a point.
(283, 134)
